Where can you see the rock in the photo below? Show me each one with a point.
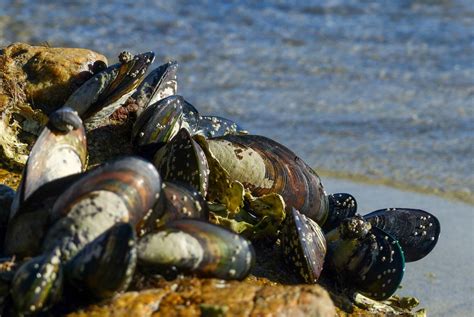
(35, 80)
(211, 297)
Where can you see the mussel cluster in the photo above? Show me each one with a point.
(197, 193)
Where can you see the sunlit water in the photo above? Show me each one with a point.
(378, 88)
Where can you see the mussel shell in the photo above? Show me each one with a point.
(133, 179)
(182, 160)
(158, 124)
(341, 206)
(416, 230)
(38, 283)
(177, 201)
(106, 265)
(27, 229)
(8, 267)
(123, 190)
(265, 166)
(101, 95)
(158, 84)
(304, 245)
(6, 198)
(373, 265)
(196, 247)
(54, 155)
(215, 126)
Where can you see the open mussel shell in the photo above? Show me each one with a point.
(416, 230)
(123, 190)
(37, 284)
(158, 84)
(340, 207)
(106, 265)
(196, 247)
(182, 160)
(265, 166)
(177, 201)
(304, 245)
(158, 124)
(365, 258)
(215, 126)
(101, 95)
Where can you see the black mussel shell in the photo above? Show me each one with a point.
(177, 201)
(27, 229)
(123, 190)
(215, 126)
(182, 160)
(264, 166)
(6, 198)
(367, 259)
(38, 283)
(341, 206)
(158, 84)
(8, 267)
(106, 265)
(158, 124)
(196, 247)
(304, 245)
(64, 119)
(101, 95)
(416, 230)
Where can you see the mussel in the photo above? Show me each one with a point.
(416, 230)
(264, 166)
(54, 163)
(365, 257)
(106, 265)
(38, 283)
(101, 95)
(183, 160)
(304, 245)
(196, 247)
(159, 84)
(177, 200)
(123, 190)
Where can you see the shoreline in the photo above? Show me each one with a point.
(454, 196)
(12, 179)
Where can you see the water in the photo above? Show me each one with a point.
(379, 88)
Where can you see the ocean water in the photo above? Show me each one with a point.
(383, 89)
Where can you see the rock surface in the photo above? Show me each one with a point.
(211, 297)
(35, 80)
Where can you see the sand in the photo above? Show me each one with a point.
(442, 281)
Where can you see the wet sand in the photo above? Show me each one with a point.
(442, 281)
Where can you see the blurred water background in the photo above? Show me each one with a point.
(383, 89)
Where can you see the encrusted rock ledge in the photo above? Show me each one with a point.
(211, 297)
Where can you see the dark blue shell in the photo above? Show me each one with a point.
(341, 206)
(385, 265)
(416, 230)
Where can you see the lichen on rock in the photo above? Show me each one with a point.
(34, 81)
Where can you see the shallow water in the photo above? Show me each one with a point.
(379, 88)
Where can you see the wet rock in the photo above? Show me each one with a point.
(211, 297)
(35, 80)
